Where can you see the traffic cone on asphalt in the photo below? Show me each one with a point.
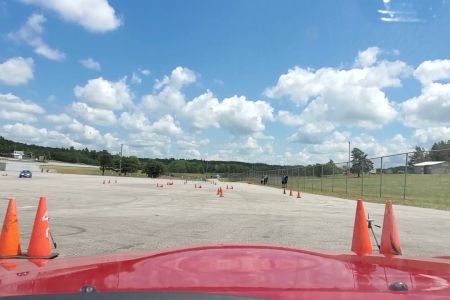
(10, 238)
(361, 244)
(39, 245)
(390, 243)
(221, 192)
(298, 194)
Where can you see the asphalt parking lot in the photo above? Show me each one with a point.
(89, 217)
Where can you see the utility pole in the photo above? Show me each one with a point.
(120, 161)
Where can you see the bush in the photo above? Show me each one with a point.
(153, 168)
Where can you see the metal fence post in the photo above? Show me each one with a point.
(312, 186)
(362, 178)
(304, 180)
(381, 178)
(332, 179)
(347, 172)
(321, 180)
(406, 172)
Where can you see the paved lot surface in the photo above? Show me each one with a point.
(88, 217)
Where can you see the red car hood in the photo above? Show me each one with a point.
(251, 270)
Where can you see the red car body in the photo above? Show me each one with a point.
(269, 272)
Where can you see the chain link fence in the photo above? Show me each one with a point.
(414, 178)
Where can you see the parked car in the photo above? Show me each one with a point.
(25, 174)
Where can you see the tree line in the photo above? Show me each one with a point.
(128, 164)
(155, 167)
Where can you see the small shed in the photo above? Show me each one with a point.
(18, 154)
(432, 167)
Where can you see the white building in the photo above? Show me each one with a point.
(18, 154)
(432, 167)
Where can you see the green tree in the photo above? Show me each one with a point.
(106, 160)
(130, 164)
(330, 168)
(418, 156)
(360, 162)
(178, 166)
(154, 168)
(441, 151)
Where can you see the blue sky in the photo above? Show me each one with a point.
(269, 81)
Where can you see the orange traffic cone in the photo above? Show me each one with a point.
(298, 194)
(361, 244)
(390, 243)
(10, 238)
(221, 192)
(290, 192)
(39, 246)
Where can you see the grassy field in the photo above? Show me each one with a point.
(85, 171)
(421, 190)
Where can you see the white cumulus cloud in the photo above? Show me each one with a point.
(432, 70)
(367, 57)
(41, 136)
(166, 126)
(430, 108)
(90, 63)
(88, 136)
(235, 114)
(16, 71)
(31, 33)
(59, 119)
(168, 97)
(14, 108)
(93, 15)
(202, 111)
(95, 116)
(134, 121)
(311, 133)
(431, 135)
(353, 96)
(104, 94)
(289, 119)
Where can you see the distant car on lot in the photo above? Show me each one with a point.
(25, 174)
